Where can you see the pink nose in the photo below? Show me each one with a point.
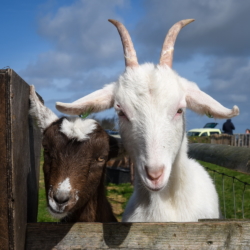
(154, 173)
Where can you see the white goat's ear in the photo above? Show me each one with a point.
(203, 104)
(42, 115)
(97, 101)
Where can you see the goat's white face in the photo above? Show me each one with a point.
(150, 102)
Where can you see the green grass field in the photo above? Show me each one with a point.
(228, 209)
(118, 195)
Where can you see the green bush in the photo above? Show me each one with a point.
(199, 139)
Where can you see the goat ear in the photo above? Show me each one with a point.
(42, 115)
(97, 101)
(116, 149)
(203, 104)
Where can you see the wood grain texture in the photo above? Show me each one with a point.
(20, 151)
(5, 237)
(229, 235)
(238, 140)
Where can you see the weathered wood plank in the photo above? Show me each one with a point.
(5, 236)
(235, 158)
(238, 140)
(234, 235)
(20, 154)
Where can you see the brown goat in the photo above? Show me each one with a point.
(75, 155)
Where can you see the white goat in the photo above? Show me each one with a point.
(151, 102)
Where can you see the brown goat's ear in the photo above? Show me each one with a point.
(116, 149)
(39, 112)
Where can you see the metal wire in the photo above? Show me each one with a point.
(233, 189)
(247, 184)
(243, 197)
(234, 199)
(223, 193)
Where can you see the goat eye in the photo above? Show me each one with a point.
(45, 149)
(179, 111)
(100, 159)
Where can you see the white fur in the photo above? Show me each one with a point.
(83, 105)
(64, 186)
(77, 128)
(44, 116)
(63, 190)
(154, 136)
(72, 127)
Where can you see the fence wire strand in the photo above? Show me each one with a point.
(234, 198)
(243, 197)
(245, 184)
(223, 192)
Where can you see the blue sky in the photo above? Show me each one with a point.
(68, 49)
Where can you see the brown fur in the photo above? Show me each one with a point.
(78, 161)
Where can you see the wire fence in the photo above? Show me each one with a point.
(233, 189)
(234, 195)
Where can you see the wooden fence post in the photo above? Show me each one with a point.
(19, 157)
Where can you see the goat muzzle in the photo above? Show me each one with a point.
(154, 174)
(61, 199)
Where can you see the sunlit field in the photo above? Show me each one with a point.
(118, 195)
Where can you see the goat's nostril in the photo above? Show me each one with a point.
(61, 199)
(154, 173)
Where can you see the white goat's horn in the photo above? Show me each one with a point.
(168, 45)
(128, 48)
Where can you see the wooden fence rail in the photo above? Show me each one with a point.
(228, 235)
(19, 157)
(237, 140)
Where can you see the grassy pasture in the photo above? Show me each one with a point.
(228, 209)
(118, 195)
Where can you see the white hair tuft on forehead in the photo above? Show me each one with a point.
(77, 128)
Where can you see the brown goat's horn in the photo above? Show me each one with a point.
(168, 45)
(128, 48)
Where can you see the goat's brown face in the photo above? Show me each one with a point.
(73, 169)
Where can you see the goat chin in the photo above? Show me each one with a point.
(57, 215)
(154, 185)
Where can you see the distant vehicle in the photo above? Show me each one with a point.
(113, 133)
(207, 130)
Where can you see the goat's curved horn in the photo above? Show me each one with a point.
(128, 48)
(168, 45)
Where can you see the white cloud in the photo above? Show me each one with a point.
(82, 39)
(220, 27)
(86, 51)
